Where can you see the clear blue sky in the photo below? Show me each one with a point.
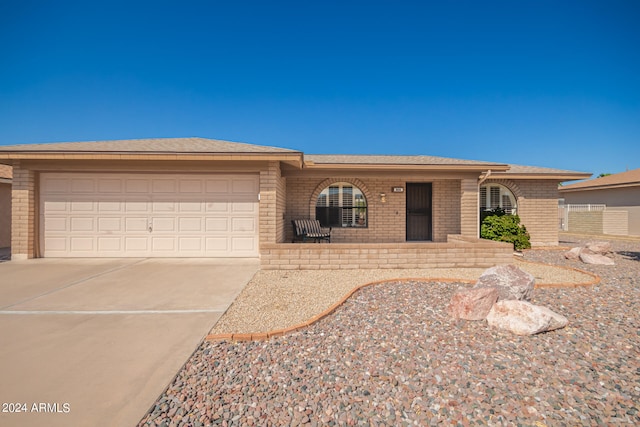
(544, 83)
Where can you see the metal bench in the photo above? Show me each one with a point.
(306, 230)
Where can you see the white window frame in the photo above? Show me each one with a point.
(504, 195)
(357, 216)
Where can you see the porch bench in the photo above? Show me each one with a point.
(310, 229)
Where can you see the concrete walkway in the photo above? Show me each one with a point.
(94, 342)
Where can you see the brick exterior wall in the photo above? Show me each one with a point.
(469, 208)
(537, 202)
(23, 235)
(458, 252)
(386, 221)
(270, 223)
(5, 215)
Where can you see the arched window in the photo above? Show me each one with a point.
(494, 196)
(342, 205)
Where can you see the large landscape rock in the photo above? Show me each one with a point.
(601, 248)
(511, 282)
(589, 257)
(524, 318)
(472, 304)
(573, 253)
(592, 253)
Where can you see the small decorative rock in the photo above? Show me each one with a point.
(511, 282)
(524, 318)
(472, 304)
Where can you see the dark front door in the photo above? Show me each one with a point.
(418, 211)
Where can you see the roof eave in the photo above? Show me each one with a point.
(293, 158)
(602, 187)
(554, 176)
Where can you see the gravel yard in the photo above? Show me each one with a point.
(391, 356)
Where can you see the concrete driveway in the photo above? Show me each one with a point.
(95, 341)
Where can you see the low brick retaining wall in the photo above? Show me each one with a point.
(457, 252)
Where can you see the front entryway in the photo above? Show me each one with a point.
(419, 211)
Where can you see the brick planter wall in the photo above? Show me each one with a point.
(458, 251)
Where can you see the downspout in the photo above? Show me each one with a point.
(481, 179)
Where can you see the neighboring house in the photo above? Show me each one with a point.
(195, 197)
(5, 206)
(619, 192)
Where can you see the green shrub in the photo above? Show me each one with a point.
(496, 225)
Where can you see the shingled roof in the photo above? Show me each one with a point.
(624, 179)
(523, 171)
(390, 160)
(498, 169)
(153, 145)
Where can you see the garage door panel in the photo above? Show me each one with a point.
(57, 244)
(243, 207)
(162, 207)
(59, 224)
(191, 186)
(81, 206)
(217, 186)
(217, 225)
(218, 207)
(247, 187)
(81, 244)
(163, 244)
(197, 207)
(219, 245)
(243, 225)
(55, 186)
(109, 186)
(190, 224)
(242, 244)
(57, 206)
(142, 215)
(140, 224)
(163, 186)
(161, 225)
(111, 245)
(83, 185)
(136, 244)
(81, 224)
(104, 206)
(190, 244)
(106, 225)
(137, 186)
(136, 206)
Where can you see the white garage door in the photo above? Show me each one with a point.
(148, 215)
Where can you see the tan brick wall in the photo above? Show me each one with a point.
(615, 222)
(462, 252)
(269, 224)
(537, 208)
(281, 205)
(386, 221)
(469, 209)
(23, 213)
(589, 222)
(5, 215)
